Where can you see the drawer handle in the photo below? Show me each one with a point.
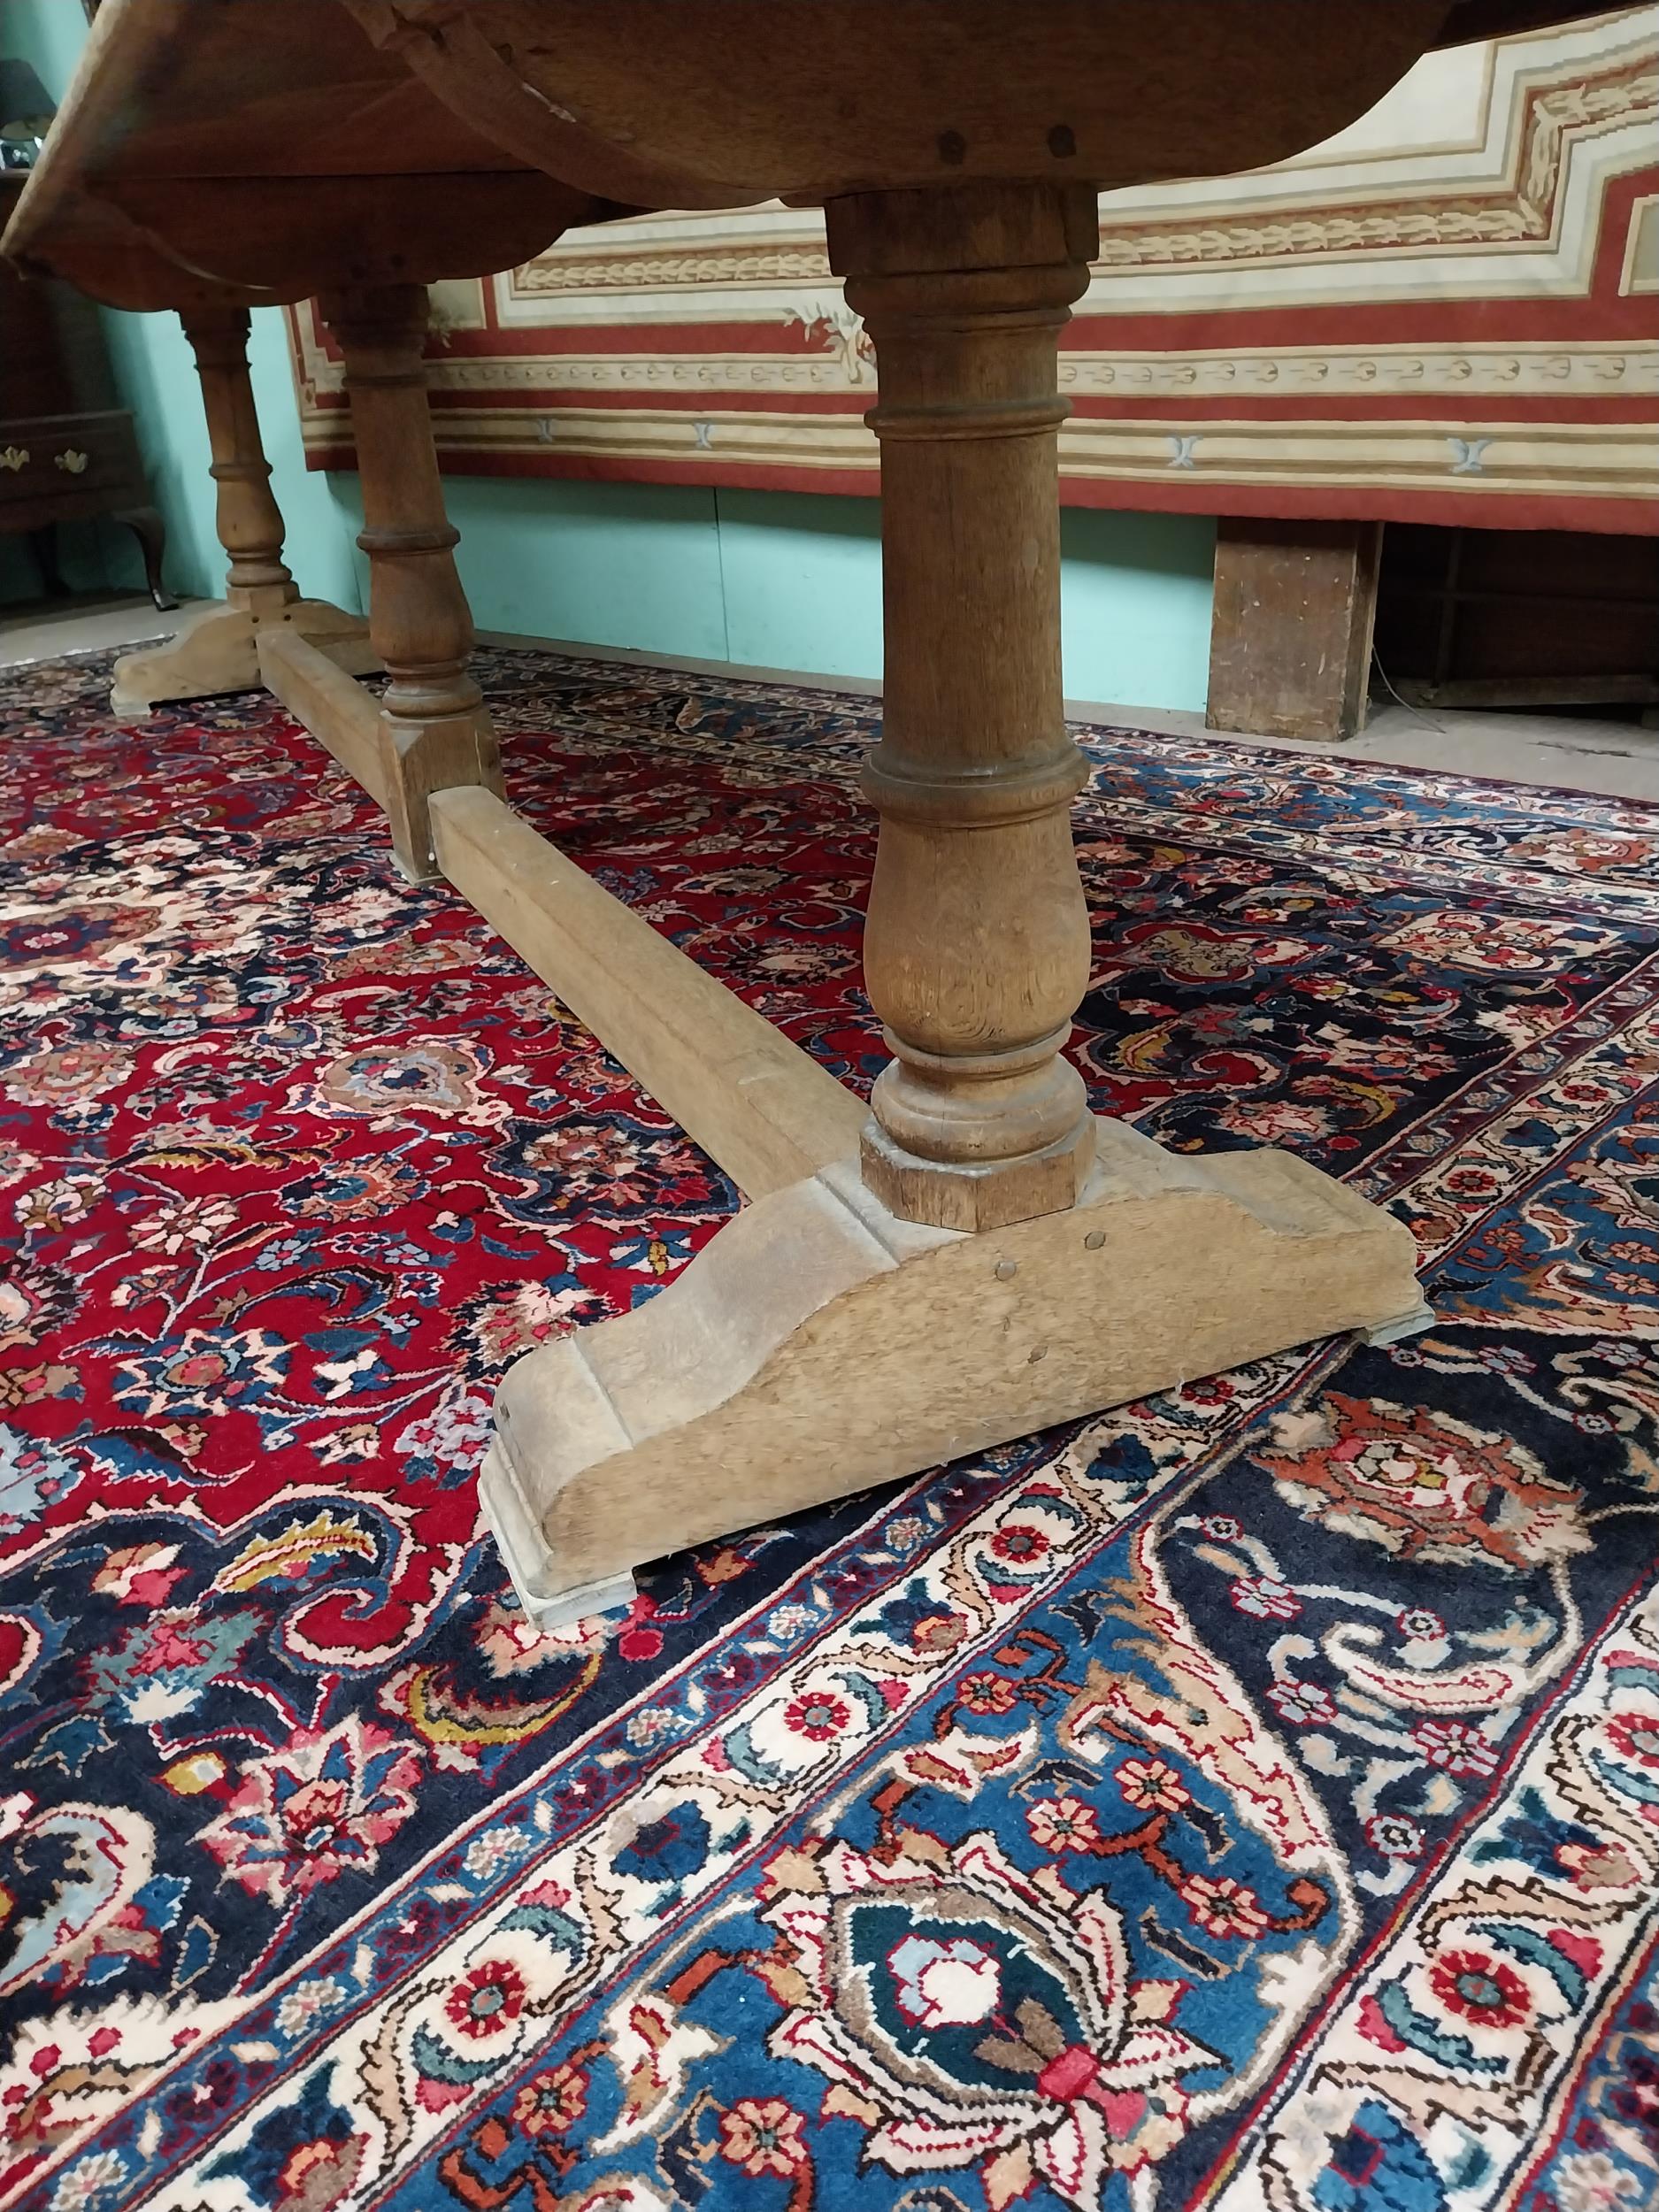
(14, 457)
(71, 462)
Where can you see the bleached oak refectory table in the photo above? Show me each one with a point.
(974, 1255)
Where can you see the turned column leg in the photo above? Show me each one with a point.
(217, 647)
(977, 945)
(249, 520)
(436, 731)
(838, 1331)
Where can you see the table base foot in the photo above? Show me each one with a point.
(821, 1343)
(217, 649)
(1382, 1334)
(530, 1569)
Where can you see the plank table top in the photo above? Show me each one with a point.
(239, 152)
(718, 103)
(216, 149)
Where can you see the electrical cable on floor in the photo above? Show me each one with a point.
(1428, 720)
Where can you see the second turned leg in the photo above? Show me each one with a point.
(437, 733)
(217, 648)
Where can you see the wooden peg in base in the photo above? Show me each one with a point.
(822, 1343)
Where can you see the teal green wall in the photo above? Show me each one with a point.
(769, 580)
(46, 34)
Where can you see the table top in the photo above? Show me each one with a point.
(251, 151)
(718, 102)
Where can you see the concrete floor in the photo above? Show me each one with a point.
(82, 624)
(1617, 760)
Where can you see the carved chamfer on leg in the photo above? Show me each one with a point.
(216, 649)
(977, 945)
(821, 1342)
(435, 733)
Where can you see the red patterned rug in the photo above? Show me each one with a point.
(1249, 1798)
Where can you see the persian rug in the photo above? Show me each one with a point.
(1246, 1799)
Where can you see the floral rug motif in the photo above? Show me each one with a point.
(1247, 1799)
